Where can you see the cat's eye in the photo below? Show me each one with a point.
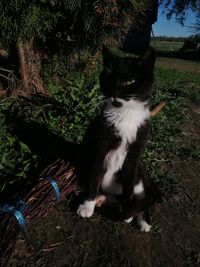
(129, 82)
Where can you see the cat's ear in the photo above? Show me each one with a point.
(148, 58)
(108, 58)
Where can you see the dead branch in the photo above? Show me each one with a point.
(5, 77)
(6, 70)
(158, 108)
(100, 200)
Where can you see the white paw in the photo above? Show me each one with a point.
(145, 227)
(86, 209)
(129, 220)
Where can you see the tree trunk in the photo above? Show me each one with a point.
(29, 66)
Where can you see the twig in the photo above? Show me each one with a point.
(47, 249)
(53, 245)
(157, 108)
(9, 79)
(6, 70)
(100, 200)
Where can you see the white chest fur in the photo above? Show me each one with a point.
(126, 120)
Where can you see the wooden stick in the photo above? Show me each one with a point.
(157, 108)
(100, 200)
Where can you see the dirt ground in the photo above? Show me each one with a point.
(63, 239)
(179, 64)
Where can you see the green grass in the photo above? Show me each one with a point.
(79, 101)
(176, 89)
(166, 45)
(16, 159)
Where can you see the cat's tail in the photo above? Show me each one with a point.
(152, 195)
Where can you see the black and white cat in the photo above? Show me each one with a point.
(115, 139)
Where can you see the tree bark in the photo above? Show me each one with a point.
(29, 66)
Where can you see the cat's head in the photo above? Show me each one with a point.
(126, 76)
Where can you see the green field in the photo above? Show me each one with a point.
(166, 45)
(170, 56)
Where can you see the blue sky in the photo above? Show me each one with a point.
(170, 27)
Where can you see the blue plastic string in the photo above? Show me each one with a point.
(17, 211)
(7, 208)
(21, 205)
(55, 187)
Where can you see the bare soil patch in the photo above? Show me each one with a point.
(179, 64)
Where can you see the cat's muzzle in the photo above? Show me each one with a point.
(115, 102)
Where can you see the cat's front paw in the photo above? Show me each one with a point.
(86, 209)
(145, 227)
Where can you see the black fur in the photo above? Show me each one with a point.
(100, 137)
(118, 70)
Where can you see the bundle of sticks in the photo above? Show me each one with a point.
(37, 203)
(43, 195)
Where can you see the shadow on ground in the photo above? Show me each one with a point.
(42, 142)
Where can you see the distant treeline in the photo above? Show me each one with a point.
(195, 38)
